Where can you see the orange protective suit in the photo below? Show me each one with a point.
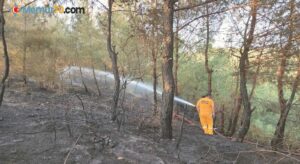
(205, 107)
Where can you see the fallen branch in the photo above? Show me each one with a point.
(66, 159)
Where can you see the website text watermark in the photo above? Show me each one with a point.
(56, 9)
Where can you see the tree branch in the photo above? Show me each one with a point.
(196, 5)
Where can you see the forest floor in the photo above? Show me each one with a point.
(41, 126)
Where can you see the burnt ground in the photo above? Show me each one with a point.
(40, 126)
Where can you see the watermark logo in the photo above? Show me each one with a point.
(15, 9)
(56, 9)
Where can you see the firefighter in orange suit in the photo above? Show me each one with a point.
(205, 108)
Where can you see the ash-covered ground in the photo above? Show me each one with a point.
(39, 126)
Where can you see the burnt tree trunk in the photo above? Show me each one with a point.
(82, 80)
(176, 39)
(234, 102)
(208, 70)
(154, 77)
(5, 52)
(114, 59)
(176, 55)
(243, 74)
(222, 119)
(238, 104)
(96, 81)
(24, 51)
(285, 106)
(234, 116)
(277, 140)
(154, 52)
(167, 73)
(93, 67)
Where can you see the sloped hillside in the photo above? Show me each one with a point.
(41, 126)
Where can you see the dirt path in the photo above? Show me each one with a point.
(39, 126)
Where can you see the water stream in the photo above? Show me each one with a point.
(139, 88)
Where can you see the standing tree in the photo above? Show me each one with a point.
(25, 50)
(235, 111)
(167, 73)
(285, 105)
(176, 37)
(5, 52)
(114, 58)
(154, 51)
(207, 68)
(243, 72)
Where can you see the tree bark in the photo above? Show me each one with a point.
(235, 116)
(176, 39)
(154, 76)
(285, 106)
(93, 68)
(154, 52)
(277, 140)
(176, 56)
(96, 81)
(236, 93)
(114, 59)
(243, 74)
(24, 51)
(82, 81)
(5, 53)
(167, 66)
(238, 103)
(222, 119)
(208, 70)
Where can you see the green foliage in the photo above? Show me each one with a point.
(267, 113)
(193, 76)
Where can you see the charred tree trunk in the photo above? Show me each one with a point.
(176, 39)
(222, 119)
(154, 77)
(96, 81)
(238, 104)
(24, 51)
(168, 81)
(114, 59)
(154, 53)
(82, 81)
(277, 140)
(80, 72)
(176, 55)
(24, 66)
(285, 106)
(243, 75)
(5, 52)
(234, 102)
(93, 67)
(208, 70)
(245, 99)
(235, 116)
(254, 82)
